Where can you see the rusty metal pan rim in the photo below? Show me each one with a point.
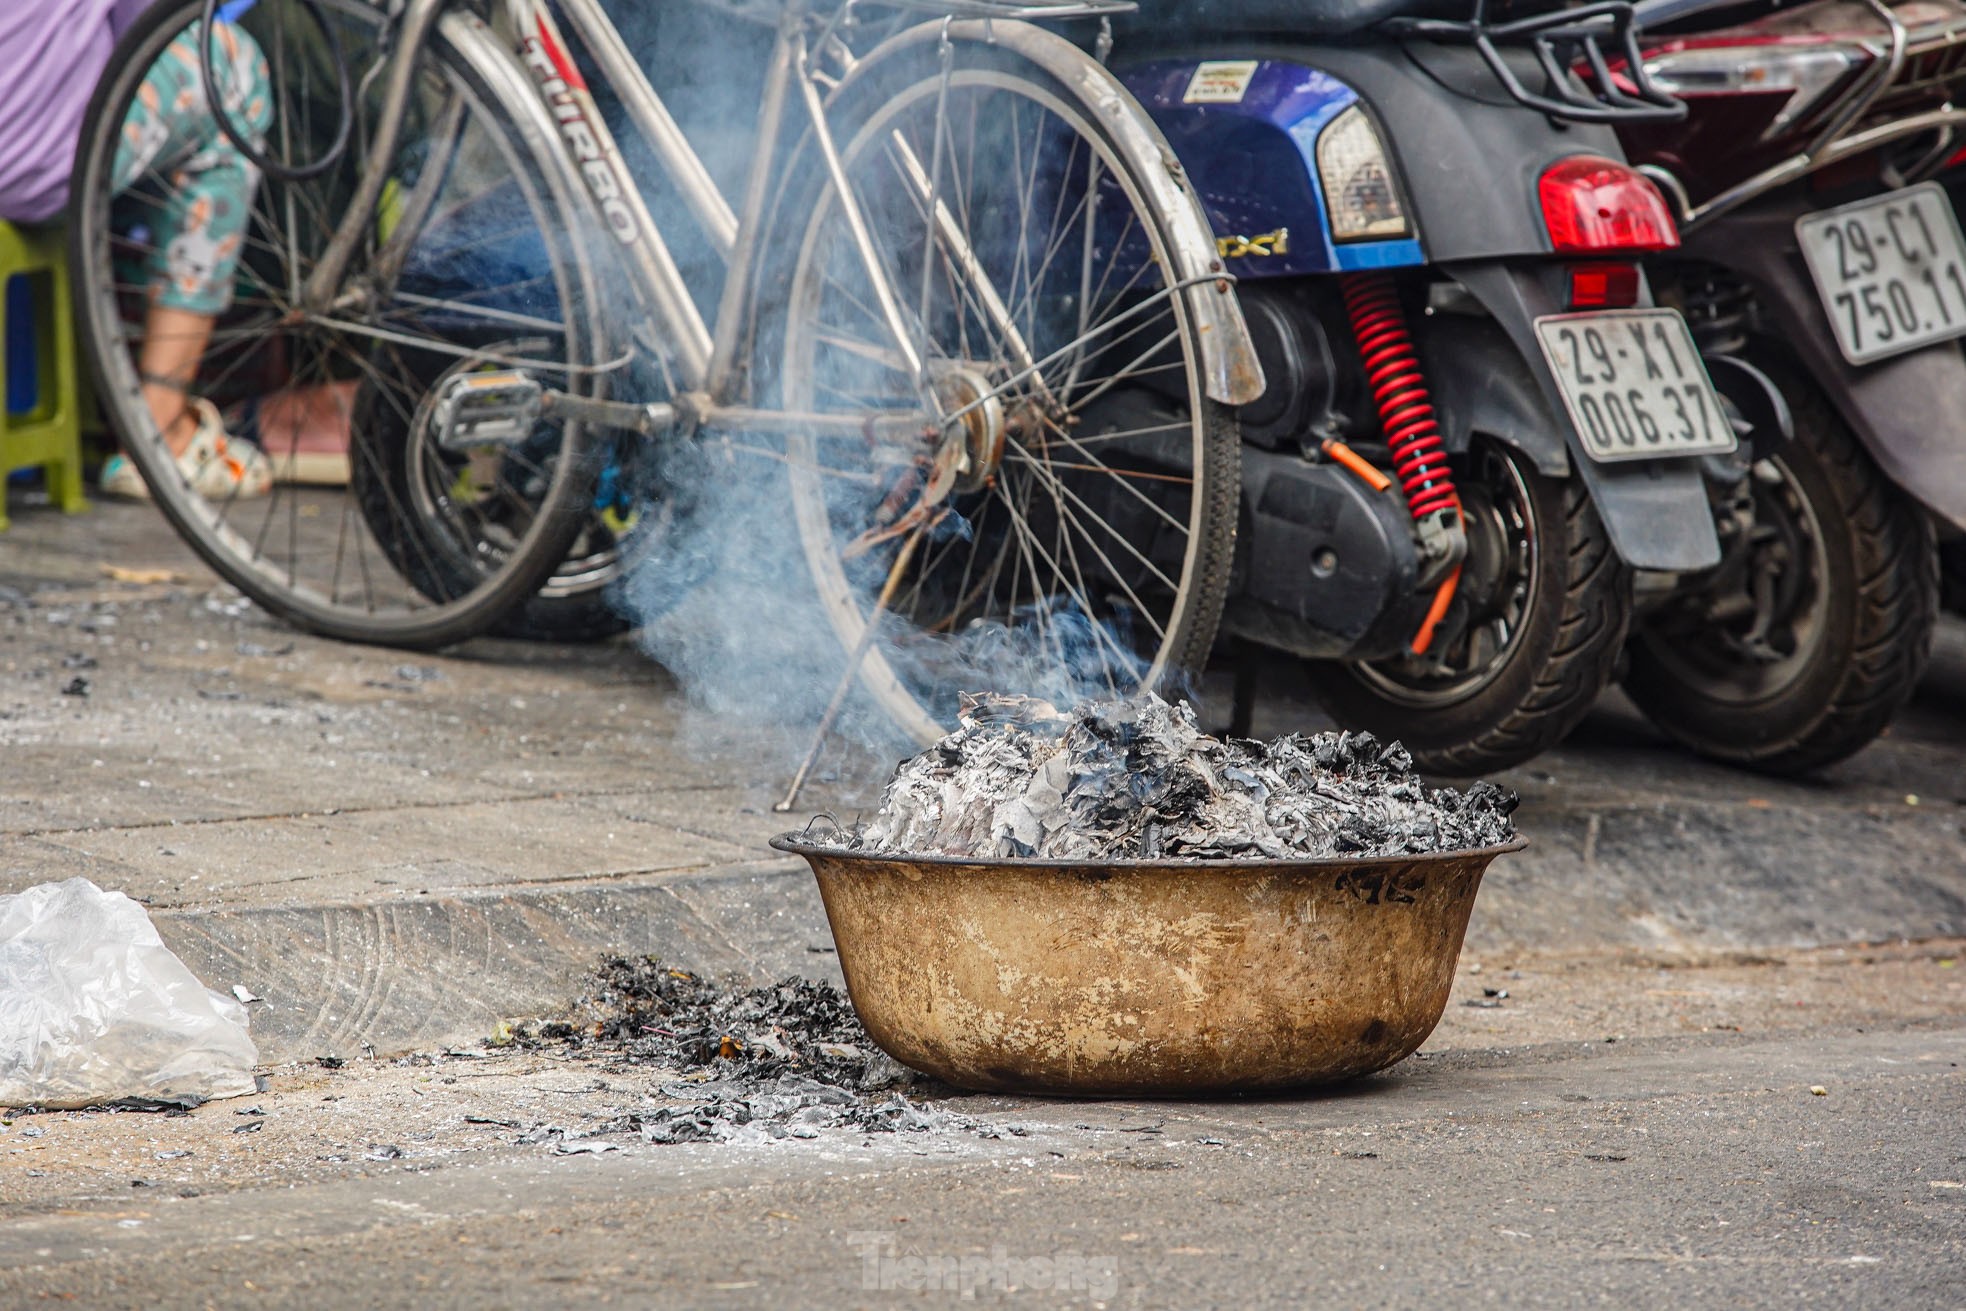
(798, 846)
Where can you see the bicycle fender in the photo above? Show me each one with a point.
(1655, 511)
(1231, 373)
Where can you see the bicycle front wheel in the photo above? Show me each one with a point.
(1065, 524)
(379, 525)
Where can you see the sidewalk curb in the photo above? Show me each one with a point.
(425, 973)
(419, 973)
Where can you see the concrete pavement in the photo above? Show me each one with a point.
(399, 851)
(1671, 1172)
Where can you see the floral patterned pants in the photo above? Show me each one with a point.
(195, 186)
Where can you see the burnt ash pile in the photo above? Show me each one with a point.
(788, 1060)
(1138, 779)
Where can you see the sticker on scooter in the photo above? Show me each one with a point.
(1220, 82)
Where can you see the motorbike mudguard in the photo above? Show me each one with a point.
(1467, 157)
(1908, 411)
(1761, 414)
(1481, 384)
(1655, 511)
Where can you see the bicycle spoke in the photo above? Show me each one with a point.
(1060, 489)
(1078, 596)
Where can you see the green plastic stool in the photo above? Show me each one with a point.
(48, 436)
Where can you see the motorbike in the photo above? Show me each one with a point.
(1825, 276)
(1477, 422)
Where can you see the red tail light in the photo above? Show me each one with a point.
(1595, 204)
(1603, 286)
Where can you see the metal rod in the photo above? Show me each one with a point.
(1797, 166)
(741, 255)
(358, 219)
(963, 256)
(1829, 144)
(651, 420)
(863, 238)
(852, 671)
(1878, 79)
(395, 251)
(891, 425)
(945, 57)
(615, 202)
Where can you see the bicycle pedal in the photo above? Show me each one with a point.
(486, 409)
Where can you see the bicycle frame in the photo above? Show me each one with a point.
(702, 361)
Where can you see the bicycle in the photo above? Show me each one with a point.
(972, 317)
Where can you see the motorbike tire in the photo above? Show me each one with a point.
(1952, 575)
(581, 617)
(1879, 602)
(1561, 656)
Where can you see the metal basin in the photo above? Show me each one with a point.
(1147, 977)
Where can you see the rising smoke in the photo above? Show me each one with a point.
(721, 595)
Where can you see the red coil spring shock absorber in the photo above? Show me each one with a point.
(1406, 413)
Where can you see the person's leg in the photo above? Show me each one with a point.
(201, 190)
(174, 342)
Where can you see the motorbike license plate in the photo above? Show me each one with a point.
(1634, 384)
(1891, 271)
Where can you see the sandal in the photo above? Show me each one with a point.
(218, 467)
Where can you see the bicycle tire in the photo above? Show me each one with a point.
(325, 567)
(1169, 570)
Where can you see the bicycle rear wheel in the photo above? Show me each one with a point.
(1085, 542)
(374, 532)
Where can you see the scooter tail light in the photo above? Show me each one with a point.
(1603, 286)
(1360, 195)
(1599, 206)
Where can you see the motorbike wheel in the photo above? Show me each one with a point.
(1530, 641)
(1813, 669)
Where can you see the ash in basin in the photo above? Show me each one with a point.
(1134, 779)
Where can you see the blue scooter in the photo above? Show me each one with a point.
(1477, 423)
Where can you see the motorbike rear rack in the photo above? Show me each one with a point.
(1565, 42)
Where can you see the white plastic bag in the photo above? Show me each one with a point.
(94, 1007)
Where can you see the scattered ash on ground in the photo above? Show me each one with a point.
(1131, 779)
(787, 1060)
